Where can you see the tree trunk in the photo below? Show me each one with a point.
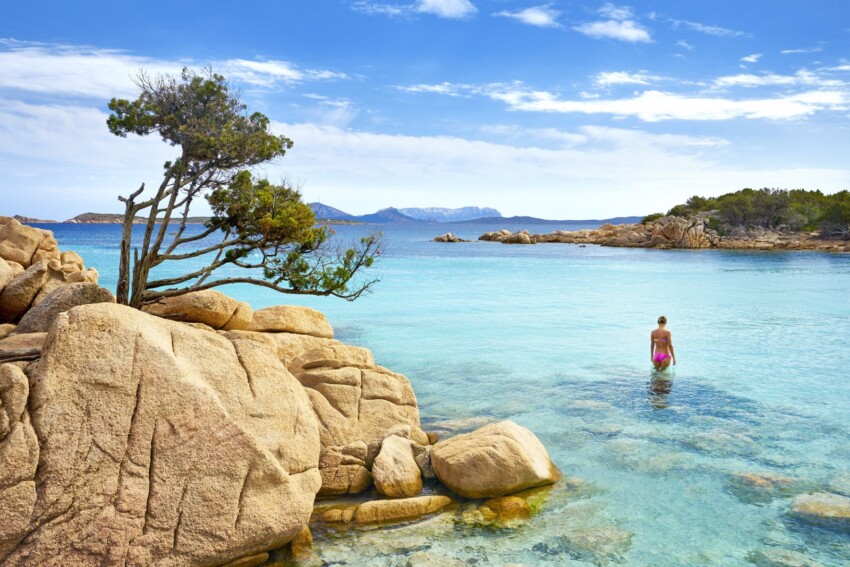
(130, 210)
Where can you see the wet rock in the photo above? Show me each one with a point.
(422, 456)
(301, 546)
(599, 545)
(840, 484)
(339, 515)
(400, 509)
(781, 558)
(250, 561)
(292, 319)
(493, 461)
(427, 559)
(823, 508)
(395, 471)
(761, 487)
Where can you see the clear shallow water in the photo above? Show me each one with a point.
(555, 336)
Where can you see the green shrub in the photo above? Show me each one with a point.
(650, 218)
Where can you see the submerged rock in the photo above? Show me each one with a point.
(493, 461)
(823, 508)
(781, 558)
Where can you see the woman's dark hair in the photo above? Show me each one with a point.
(662, 320)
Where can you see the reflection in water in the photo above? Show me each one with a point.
(659, 387)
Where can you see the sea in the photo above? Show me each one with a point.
(661, 469)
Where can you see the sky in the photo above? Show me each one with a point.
(560, 110)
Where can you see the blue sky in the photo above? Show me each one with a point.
(562, 109)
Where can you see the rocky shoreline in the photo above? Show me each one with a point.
(677, 232)
(202, 432)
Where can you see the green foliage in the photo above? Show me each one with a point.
(652, 217)
(835, 220)
(797, 209)
(264, 228)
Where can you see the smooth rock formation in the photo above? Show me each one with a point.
(495, 460)
(287, 346)
(209, 307)
(395, 510)
(19, 293)
(6, 274)
(6, 329)
(354, 399)
(19, 242)
(156, 444)
(823, 508)
(39, 318)
(449, 237)
(395, 471)
(22, 341)
(292, 319)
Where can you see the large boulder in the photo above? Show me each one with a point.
(495, 460)
(376, 511)
(6, 274)
(18, 294)
(39, 318)
(287, 346)
(209, 307)
(292, 319)
(158, 444)
(395, 470)
(19, 242)
(353, 398)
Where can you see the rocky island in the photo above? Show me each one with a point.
(202, 432)
(679, 232)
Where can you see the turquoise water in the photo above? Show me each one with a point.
(555, 337)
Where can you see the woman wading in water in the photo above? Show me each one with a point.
(661, 346)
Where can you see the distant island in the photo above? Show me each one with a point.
(390, 215)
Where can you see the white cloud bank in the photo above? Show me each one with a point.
(451, 9)
(92, 72)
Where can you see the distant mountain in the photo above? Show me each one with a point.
(439, 214)
(324, 212)
(535, 220)
(390, 214)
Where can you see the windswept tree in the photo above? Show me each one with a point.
(265, 228)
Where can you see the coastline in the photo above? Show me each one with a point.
(676, 233)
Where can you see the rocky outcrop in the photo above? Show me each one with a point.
(32, 267)
(449, 237)
(151, 442)
(39, 318)
(386, 511)
(676, 232)
(354, 399)
(209, 307)
(495, 460)
(292, 319)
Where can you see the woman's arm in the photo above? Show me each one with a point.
(651, 347)
(672, 352)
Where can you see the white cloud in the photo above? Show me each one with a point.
(540, 16)
(626, 30)
(103, 73)
(710, 30)
(684, 44)
(655, 106)
(802, 77)
(377, 9)
(449, 89)
(625, 78)
(810, 50)
(609, 10)
(451, 9)
(840, 68)
(751, 58)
